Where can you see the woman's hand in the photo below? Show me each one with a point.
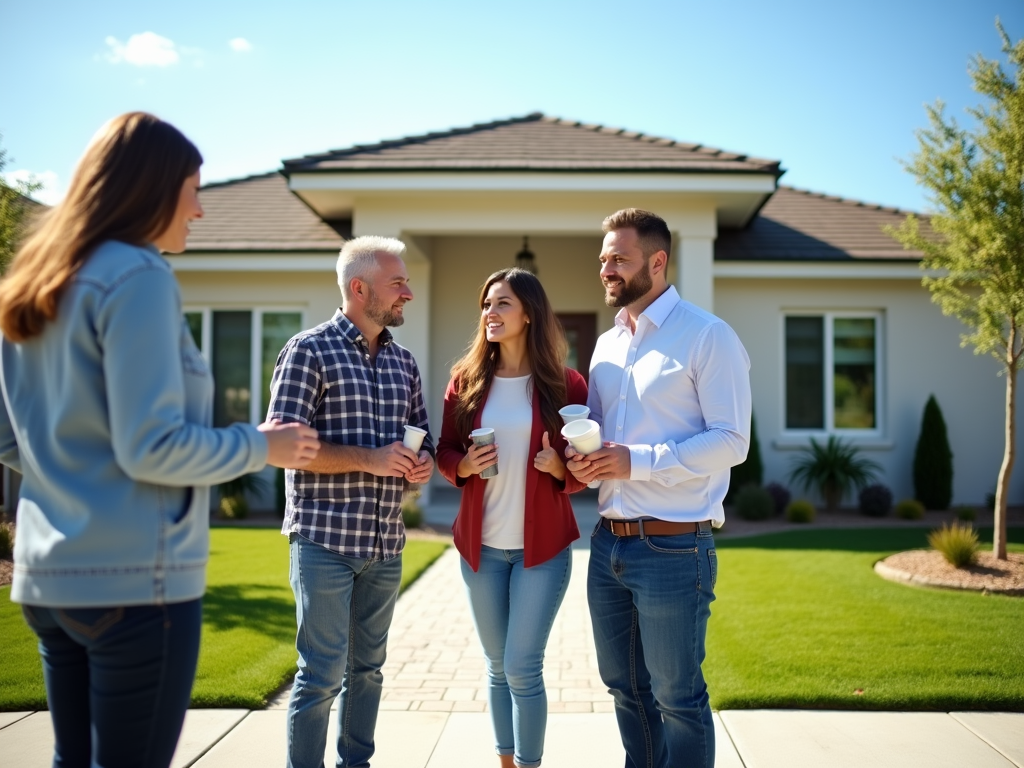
(477, 459)
(547, 460)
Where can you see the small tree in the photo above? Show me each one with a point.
(751, 471)
(933, 460)
(14, 204)
(976, 258)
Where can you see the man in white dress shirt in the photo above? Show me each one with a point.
(670, 386)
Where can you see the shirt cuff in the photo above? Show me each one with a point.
(640, 458)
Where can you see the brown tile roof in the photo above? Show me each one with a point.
(533, 142)
(795, 225)
(258, 213)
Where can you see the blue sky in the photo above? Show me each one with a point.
(833, 90)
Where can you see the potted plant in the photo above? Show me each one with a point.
(834, 469)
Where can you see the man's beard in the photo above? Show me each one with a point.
(384, 316)
(633, 289)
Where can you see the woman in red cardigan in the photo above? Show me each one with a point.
(513, 530)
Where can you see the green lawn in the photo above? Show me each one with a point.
(248, 624)
(802, 621)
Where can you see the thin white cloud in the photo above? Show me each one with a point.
(51, 193)
(146, 49)
(240, 45)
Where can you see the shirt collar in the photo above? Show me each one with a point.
(352, 333)
(656, 313)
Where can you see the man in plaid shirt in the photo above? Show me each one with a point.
(351, 381)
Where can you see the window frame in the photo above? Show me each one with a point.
(829, 316)
(256, 415)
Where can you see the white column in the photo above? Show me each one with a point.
(695, 279)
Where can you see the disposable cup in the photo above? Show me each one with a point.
(573, 412)
(413, 439)
(485, 436)
(584, 435)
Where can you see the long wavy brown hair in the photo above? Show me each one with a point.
(545, 347)
(126, 187)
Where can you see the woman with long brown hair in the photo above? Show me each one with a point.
(107, 406)
(513, 529)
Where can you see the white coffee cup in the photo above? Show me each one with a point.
(413, 439)
(485, 436)
(573, 412)
(584, 435)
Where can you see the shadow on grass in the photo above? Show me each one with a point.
(852, 539)
(228, 606)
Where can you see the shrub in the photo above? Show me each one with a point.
(875, 501)
(967, 514)
(833, 469)
(412, 515)
(910, 509)
(233, 503)
(780, 495)
(958, 544)
(754, 503)
(751, 471)
(933, 460)
(800, 511)
(233, 507)
(6, 541)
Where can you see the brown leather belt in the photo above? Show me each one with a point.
(650, 527)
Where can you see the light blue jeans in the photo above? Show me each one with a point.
(513, 609)
(344, 607)
(650, 600)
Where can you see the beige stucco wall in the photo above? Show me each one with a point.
(922, 355)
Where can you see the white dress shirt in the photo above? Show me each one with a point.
(677, 392)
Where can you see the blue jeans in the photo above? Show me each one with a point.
(118, 680)
(650, 600)
(343, 606)
(513, 609)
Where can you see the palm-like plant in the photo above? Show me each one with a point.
(233, 504)
(834, 469)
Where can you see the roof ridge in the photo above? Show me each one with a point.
(239, 179)
(848, 200)
(415, 138)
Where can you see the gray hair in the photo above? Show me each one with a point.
(358, 258)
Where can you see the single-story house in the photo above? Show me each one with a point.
(842, 337)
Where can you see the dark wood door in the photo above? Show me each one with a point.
(581, 333)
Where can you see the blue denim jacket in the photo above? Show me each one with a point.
(107, 415)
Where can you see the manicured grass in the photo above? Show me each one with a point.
(248, 624)
(802, 621)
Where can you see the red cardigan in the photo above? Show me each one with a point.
(549, 525)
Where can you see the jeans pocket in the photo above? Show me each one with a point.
(713, 563)
(672, 545)
(91, 623)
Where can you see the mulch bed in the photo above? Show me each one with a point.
(930, 569)
(6, 572)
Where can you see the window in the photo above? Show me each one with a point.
(242, 347)
(832, 371)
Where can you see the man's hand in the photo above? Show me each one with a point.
(547, 459)
(612, 462)
(423, 469)
(394, 460)
(292, 445)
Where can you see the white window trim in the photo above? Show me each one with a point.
(876, 434)
(256, 339)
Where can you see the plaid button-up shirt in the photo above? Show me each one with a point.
(326, 379)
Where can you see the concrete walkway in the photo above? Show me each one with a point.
(433, 713)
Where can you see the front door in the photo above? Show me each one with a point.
(581, 334)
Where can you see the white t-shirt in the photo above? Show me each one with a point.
(509, 413)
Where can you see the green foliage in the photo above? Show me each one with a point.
(233, 503)
(751, 471)
(933, 460)
(875, 501)
(754, 503)
(974, 254)
(957, 543)
(910, 509)
(6, 541)
(800, 511)
(412, 514)
(967, 514)
(834, 469)
(14, 206)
